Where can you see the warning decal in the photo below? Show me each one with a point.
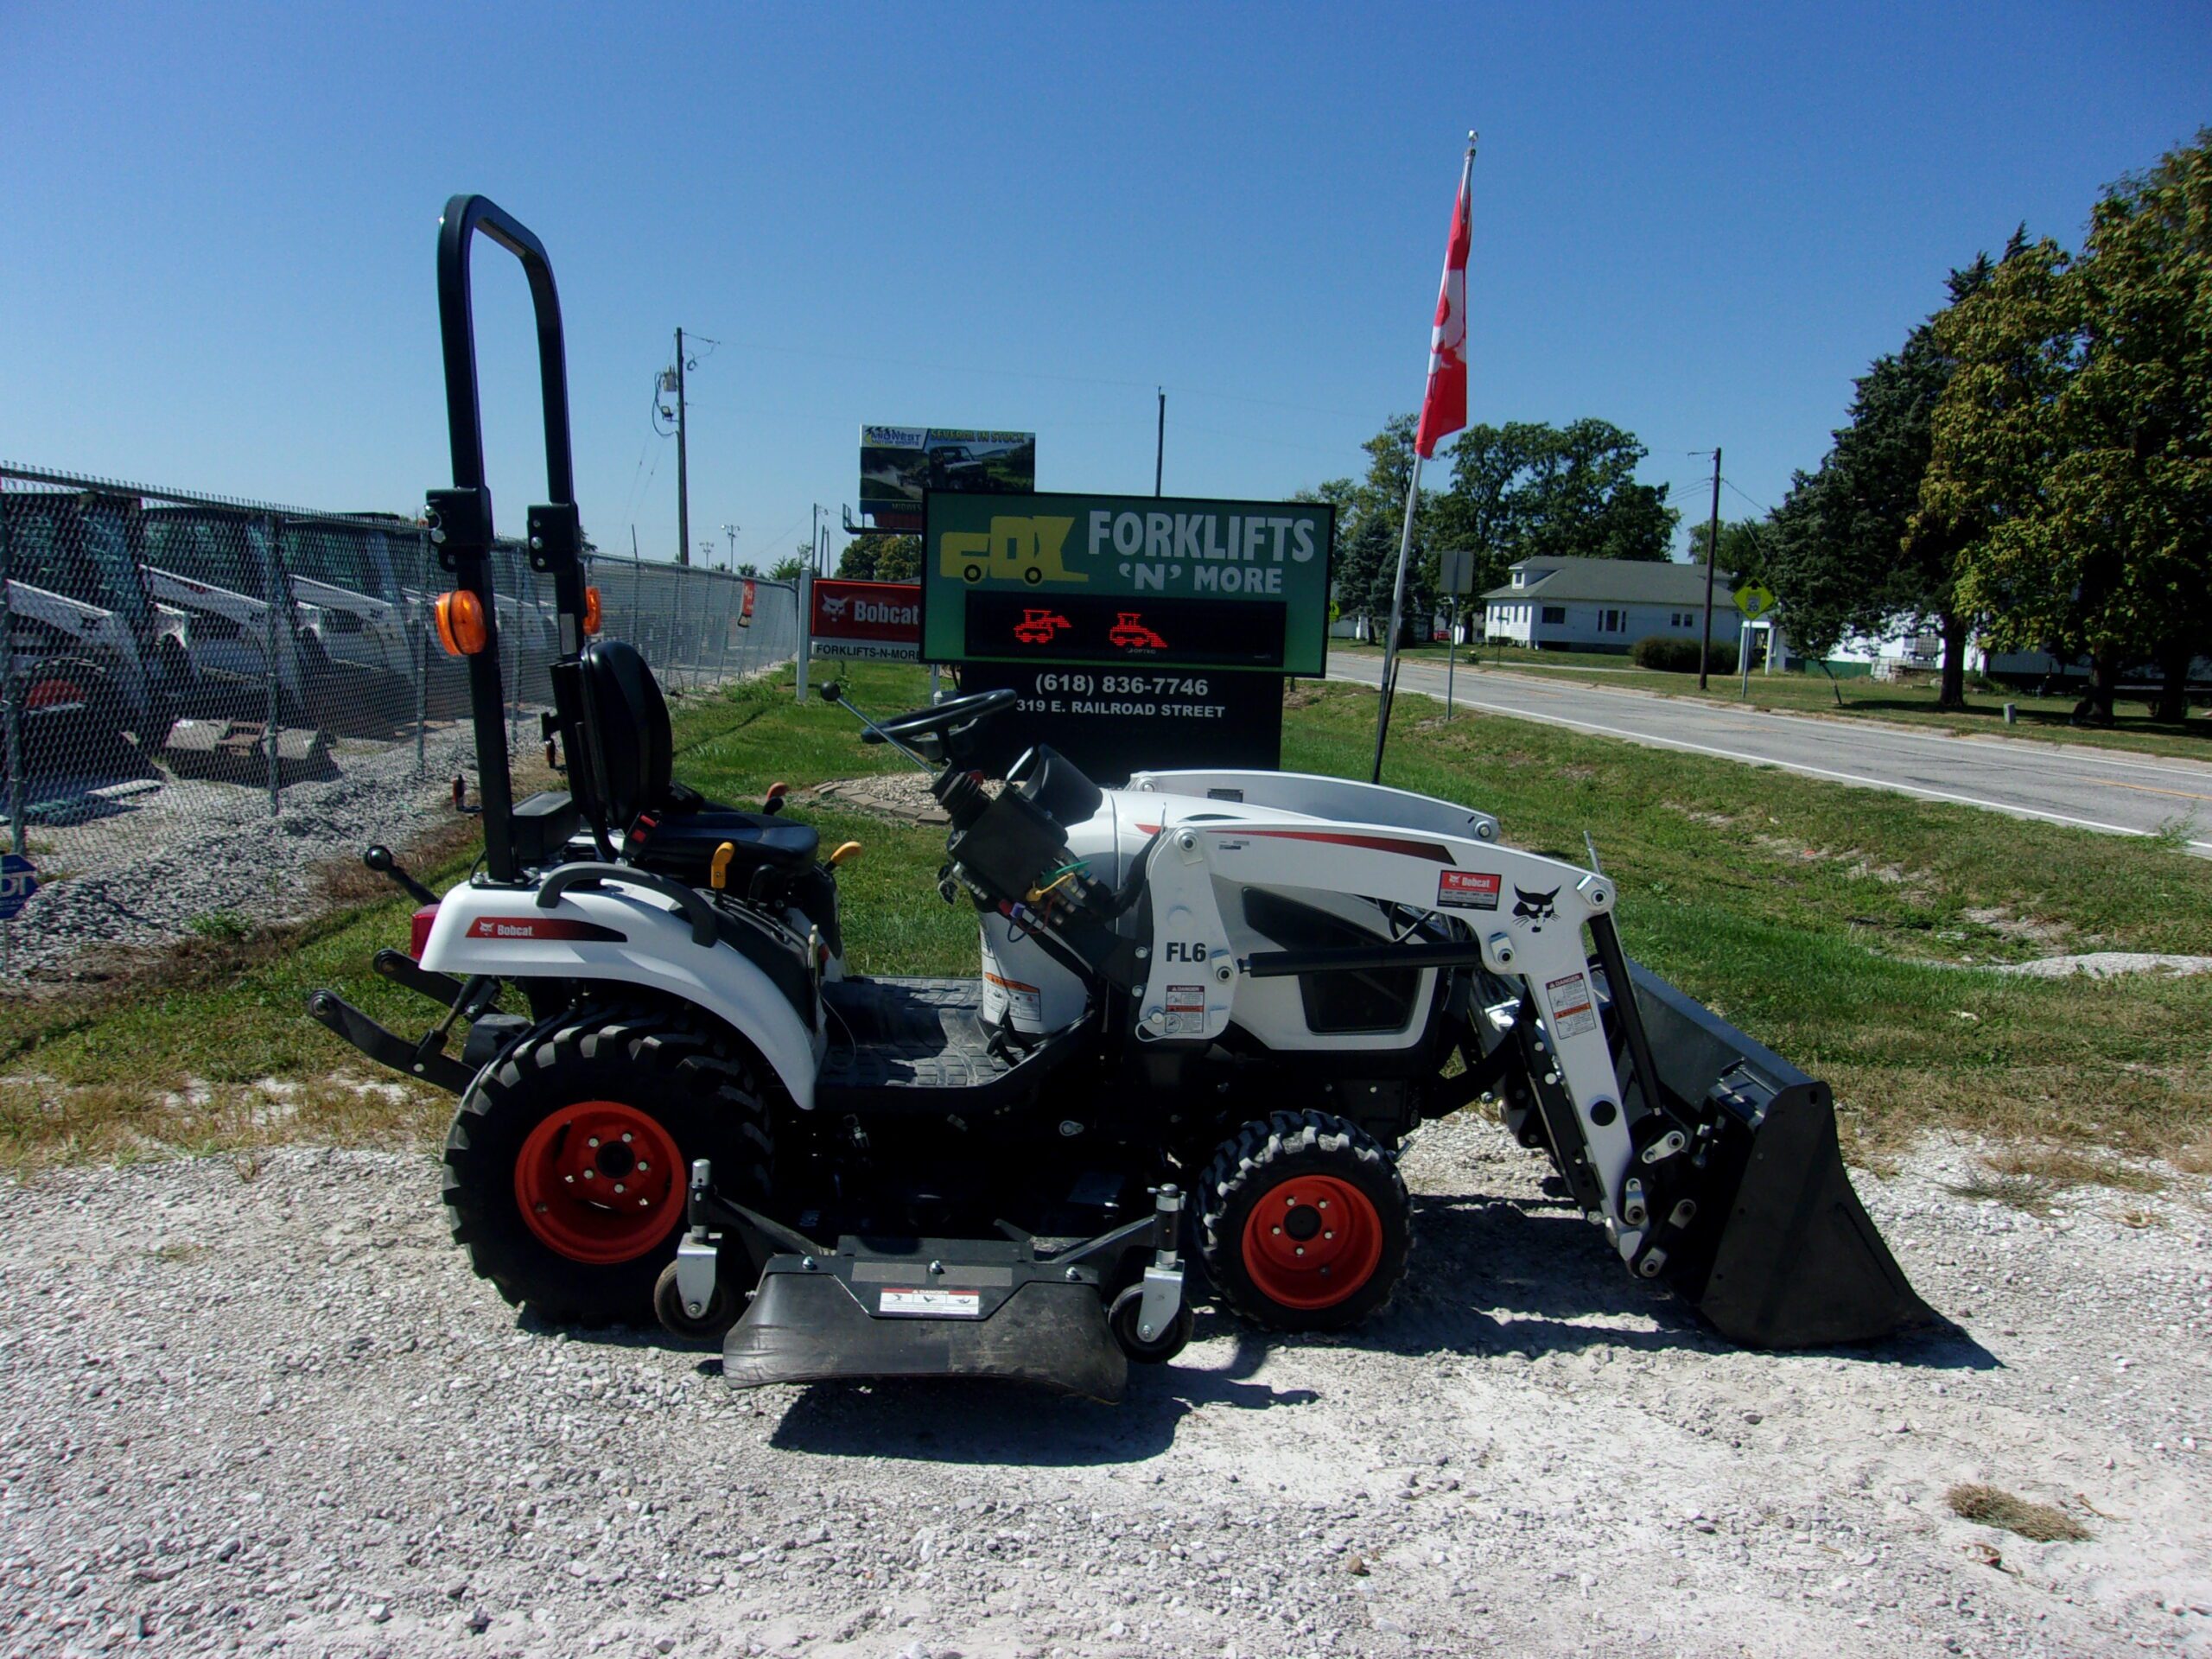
(1466, 890)
(1186, 998)
(932, 1304)
(1005, 996)
(1572, 1012)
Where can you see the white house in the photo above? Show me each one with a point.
(1604, 604)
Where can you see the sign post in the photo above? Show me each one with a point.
(1456, 577)
(1140, 631)
(805, 629)
(1753, 600)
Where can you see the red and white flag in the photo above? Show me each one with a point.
(1444, 409)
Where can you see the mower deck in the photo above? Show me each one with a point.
(927, 1307)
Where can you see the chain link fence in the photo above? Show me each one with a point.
(204, 700)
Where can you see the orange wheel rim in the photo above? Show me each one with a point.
(598, 1182)
(1312, 1242)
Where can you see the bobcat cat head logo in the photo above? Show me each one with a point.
(833, 606)
(1535, 908)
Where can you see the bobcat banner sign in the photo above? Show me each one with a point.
(1128, 582)
(876, 621)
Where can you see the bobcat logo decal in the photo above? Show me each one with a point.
(1535, 908)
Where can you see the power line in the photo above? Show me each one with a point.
(1040, 374)
(1730, 483)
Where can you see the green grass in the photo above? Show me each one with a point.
(1826, 921)
(1863, 698)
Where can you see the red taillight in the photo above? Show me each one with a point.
(418, 930)
(53, 694)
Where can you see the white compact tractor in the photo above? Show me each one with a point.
(1210, 1009)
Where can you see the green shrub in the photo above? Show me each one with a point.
(1671, 654)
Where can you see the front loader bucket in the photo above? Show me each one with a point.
(1782, 1254)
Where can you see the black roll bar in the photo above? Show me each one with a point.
(460, 517)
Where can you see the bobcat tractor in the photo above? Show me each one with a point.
(1211, 1008)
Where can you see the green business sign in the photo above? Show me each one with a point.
(1127, 579)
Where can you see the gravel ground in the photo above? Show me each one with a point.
(194, 848)
(278, 1415)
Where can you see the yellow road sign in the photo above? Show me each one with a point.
(1754, 600)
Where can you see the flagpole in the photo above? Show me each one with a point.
(1397, 610)
(1405, 547)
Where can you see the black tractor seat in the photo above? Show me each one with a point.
(669, 829)
(683, 844)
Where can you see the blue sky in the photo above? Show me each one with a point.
(1699, 223)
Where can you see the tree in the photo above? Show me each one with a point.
(882, 558)
(2137, 419)
(1846, 552)
(1742, 548)
(1371, 522)
(1518, 490)
(1583, 500)
(1484, 511)
(1527, 489)
(1997, 440)
(2080, 437)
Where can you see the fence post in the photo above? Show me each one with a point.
(276, 689)
(418, 629)
(11, 704)
(803, 595)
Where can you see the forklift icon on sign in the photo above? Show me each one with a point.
(1013, 549)
(1130, 633)
(1038, 628)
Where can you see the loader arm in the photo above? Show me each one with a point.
(1518, 915)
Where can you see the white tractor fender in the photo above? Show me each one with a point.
(622, 936)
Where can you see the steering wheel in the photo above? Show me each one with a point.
(944, 718)
(929, 732)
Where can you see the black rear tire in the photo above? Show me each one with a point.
(690, 1084)
(1356, 1267)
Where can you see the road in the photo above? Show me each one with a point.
(2108, 790)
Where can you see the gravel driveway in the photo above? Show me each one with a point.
(277, 1414)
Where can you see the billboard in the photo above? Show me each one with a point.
(900, 464)
(876, 621)
(1127, 582)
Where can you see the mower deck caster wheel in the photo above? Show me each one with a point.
(1122, 1319)
(680, 1322)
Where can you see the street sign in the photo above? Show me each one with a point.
(1754, 600)
(18, 881)
(1455, 572)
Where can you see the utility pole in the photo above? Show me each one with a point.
(730, 530)
(1712, 548)
(1159, 448)
(682, 470)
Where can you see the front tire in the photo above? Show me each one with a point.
(567, 1166)
(1304, 1222)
